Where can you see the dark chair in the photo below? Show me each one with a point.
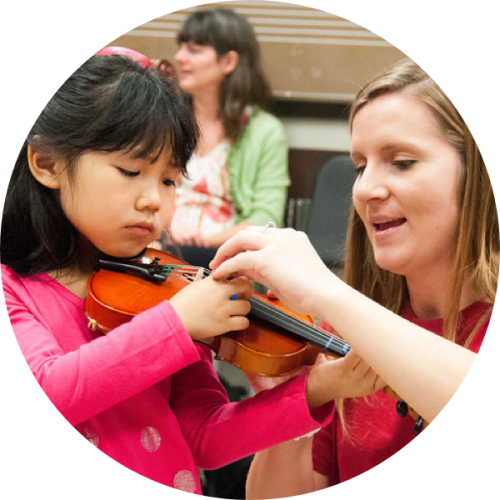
(331, 204)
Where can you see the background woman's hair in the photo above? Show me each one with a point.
(225, 30)
(111, 103)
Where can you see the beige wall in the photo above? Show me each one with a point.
(307, 53)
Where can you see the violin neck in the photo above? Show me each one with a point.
(306, 331)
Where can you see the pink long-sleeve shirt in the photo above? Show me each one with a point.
(145, 394)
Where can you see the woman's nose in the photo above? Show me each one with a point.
(371, 185)
(180, 55)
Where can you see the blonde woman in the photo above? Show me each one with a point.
(420, 279)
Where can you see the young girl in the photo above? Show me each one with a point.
(422, 265)
(97, 175)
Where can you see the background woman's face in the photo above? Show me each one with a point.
(199, 67)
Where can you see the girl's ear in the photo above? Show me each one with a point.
(45, 169)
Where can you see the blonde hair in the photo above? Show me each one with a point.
(476, 256)
(477, 232)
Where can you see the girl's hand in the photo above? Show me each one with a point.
(347, 377)
(281, 259)
(206, 309)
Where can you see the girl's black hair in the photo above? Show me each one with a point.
(111, 103)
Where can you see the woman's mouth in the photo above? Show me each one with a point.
(389, 224)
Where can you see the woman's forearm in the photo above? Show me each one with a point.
(423, 368)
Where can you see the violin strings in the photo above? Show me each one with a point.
(271, 313)
(180, 274)
(191, 273)
(301, 328)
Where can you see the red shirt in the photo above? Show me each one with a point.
(376, 430)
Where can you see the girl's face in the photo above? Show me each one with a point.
(120, 204)
(406, 192)
(199, 67)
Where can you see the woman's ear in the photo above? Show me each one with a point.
(230, 61)
(45, 169)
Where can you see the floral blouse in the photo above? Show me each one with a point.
(203, 200)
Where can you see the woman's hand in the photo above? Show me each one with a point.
(207, 308)
(281, 259)
(329, 379)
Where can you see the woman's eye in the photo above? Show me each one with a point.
(404, 164)
(360, 170)
(169, 183)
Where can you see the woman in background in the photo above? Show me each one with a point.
(238, 175)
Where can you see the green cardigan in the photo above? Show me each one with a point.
(258, 170)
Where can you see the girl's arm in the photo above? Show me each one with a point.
(288, 469)
(84, 373)
(220, 432)
(84, 379)
(282, 409)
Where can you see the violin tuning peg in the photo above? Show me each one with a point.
(419, 425)
(402, 408)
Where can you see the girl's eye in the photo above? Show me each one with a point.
(128, 173)
(169, 183)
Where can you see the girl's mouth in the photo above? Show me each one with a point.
(140, 230)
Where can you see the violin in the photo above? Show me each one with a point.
(278, 341)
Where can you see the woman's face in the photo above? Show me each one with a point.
(406, 191)
(199, 67)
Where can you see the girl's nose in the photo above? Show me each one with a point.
(149, 199)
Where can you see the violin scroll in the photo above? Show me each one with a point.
(403, 410)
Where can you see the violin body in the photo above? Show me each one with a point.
(115, 298)
(259, 351)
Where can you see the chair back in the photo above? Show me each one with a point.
(330, 208)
